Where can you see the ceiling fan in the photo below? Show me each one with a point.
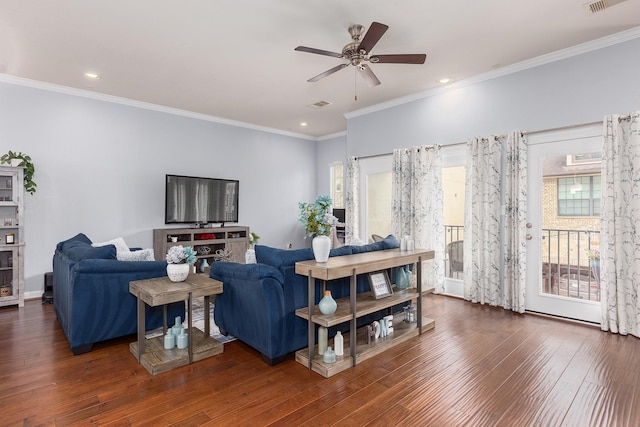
(357, 52)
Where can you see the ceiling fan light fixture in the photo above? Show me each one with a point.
(359, 50)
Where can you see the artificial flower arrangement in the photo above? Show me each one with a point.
(316, 218)
(181, 255)
(593, 254)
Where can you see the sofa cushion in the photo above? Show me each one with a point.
(234, 270)
(79, 251)
(80, 237)
(341, 251)
(389, 242)
(281, 257)
(287, 257)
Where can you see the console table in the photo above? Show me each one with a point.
(357, 305)
(162, 291)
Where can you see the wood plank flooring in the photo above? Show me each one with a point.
(480, 366)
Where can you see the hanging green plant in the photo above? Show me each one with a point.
(29, 169)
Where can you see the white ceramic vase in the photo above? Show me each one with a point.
(321, 247)
(177, 272)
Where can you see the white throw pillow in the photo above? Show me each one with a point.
(118, 242)
(141, 255)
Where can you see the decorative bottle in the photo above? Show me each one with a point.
(338, 343)
(177, 327)
(204, 265)
(327, 304)
(322, 339)
(183, 340)
(329, 356)
(169, 341)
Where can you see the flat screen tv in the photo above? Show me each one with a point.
(201, 201)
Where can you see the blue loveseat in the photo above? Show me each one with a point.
(91, 293)
(259, 300)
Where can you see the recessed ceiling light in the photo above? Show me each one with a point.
(444, 81)
(92, 76)
(303, 124)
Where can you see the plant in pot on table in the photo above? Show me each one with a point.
(318, 222)
(179, 261)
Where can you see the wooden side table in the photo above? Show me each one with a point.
(162, 291)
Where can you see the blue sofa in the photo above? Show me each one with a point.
(259, 300)
(91, 293)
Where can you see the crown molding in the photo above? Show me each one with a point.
(51, 87)
(559, 55)
(332, 135)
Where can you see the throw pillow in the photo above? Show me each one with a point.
(141, 255)
(79, 251)
(118, 242)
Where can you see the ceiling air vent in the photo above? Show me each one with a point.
(319, 104)
(600, 5)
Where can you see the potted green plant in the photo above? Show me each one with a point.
(19, 159)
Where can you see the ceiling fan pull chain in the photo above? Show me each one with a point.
(355, 84)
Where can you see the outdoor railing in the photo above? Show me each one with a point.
(567, 269)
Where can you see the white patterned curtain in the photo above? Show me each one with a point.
(495, 221)
(351, 200)
(417, 205)
(620, 238)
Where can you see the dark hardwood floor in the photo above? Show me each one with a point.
(481, 366)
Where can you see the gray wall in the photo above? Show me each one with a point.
(100, 170)
(576, 90)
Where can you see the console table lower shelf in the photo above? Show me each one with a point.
(402, 331)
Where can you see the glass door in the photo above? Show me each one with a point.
(564, 224)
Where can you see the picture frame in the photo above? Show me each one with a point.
(380, 284)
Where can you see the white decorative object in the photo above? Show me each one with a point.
(177, 272)
(250, 256)
(376, 329)
(321, 248)
(322, 340)
(338, 344)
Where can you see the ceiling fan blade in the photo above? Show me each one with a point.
(367, 74)
(318, 51)
(375, 31)
(418, 58)
(328, 72)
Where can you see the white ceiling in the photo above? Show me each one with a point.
(235, 59)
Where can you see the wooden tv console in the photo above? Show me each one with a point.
(358, 305)
(234, 239)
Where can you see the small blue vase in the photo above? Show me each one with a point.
(327, 304)
(204, 265)
(402, 278)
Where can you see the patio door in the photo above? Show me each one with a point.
(563, 223)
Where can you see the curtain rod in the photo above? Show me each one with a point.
(534, 132)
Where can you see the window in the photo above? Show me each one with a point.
(337, 184)
(579, 196)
